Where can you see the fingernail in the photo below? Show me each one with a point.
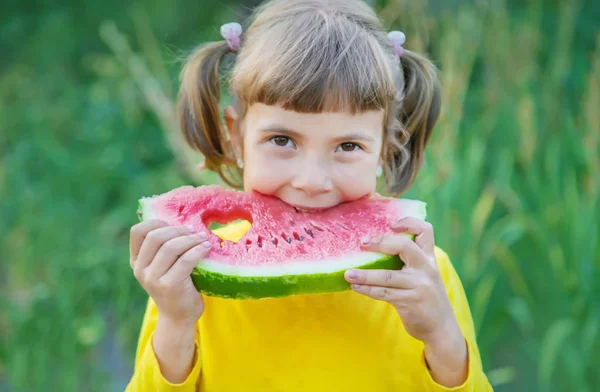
(355, 287)
(207, 244)
(202, 236)
(365, 240)
(190, 228)
(351, 274)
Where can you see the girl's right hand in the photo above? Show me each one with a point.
(162, 258)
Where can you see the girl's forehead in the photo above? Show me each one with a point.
(272, 118)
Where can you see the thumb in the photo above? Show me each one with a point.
(397, 244)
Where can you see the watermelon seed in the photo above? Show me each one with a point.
(259, 241)
(298, 236)
(285, 237)
(274, 241)
(309, 232)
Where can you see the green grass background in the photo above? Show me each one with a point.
(512, 177)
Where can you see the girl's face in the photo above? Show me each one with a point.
(311, 161)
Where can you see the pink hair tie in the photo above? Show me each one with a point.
(232, 32)
(398, 39)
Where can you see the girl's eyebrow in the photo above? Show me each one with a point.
(280, 129)
(355, 136)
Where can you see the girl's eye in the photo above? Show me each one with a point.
(348, 147)
(282, 141)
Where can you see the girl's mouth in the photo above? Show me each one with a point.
(308, 210)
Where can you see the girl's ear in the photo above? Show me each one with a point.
(233, 128)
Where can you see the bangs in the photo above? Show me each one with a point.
(314, 63)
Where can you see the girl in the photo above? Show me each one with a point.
(324, 101)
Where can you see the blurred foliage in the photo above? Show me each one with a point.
(512, 177)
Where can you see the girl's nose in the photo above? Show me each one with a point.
(312, 179)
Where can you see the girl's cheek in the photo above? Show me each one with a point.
(356, 181)
(264, 174)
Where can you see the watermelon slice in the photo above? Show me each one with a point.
(286, 251)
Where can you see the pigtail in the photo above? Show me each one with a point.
(198, 110)
(418, 111)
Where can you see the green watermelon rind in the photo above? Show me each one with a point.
(143, 210)
(255, 287)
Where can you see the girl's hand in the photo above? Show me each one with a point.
(418, 294)
(162, 258)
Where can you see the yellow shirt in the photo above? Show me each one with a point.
(325, 342)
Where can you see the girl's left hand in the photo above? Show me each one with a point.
(418, 294)
(417, 291)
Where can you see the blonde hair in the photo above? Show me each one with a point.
(312, 56)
